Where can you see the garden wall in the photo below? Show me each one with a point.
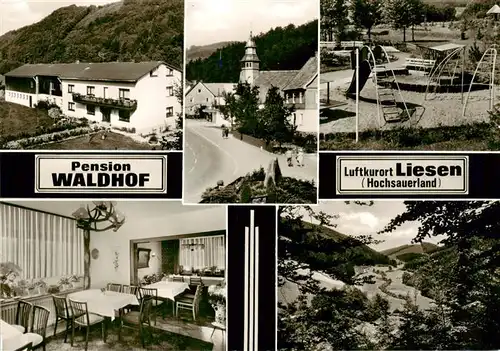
(421, 88)
(249, 139)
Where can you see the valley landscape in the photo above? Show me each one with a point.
(357, 291)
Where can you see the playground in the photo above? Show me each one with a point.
(395, 90)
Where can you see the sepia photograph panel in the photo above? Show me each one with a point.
(91, 74)
(409, 75)
(145, 265)
(251, 101)
(252, 293)
(388, 275)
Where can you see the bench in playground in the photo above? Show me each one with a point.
(420, 63)
(351, 44)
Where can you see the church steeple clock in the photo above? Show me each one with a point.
(249, 63)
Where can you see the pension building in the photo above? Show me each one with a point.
(121, 94)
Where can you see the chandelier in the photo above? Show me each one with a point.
(88, 218)
(192, 246)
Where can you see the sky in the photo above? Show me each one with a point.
(19, 13)
(366, 220)
(212, 21)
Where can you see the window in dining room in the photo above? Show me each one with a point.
(42, 244)
(201, 253)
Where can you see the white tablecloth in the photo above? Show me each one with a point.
(104, 304)
(10, 337)
(168, 290)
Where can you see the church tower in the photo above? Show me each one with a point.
(249, 63)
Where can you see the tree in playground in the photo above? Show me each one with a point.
(404, 14)
(367, 14)
(334, 18)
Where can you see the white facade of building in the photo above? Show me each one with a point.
(141, 104)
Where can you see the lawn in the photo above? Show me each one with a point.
(16, 119)
(113, 141)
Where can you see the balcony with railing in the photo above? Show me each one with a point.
(125, 104)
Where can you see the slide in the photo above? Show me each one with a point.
(364, 74)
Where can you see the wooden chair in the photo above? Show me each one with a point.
(82, 318)
(141, 319)
(63, 313)
(186, 303)
(195, 281)
(38, 330)
(133, 290)
(220, 327)
(114, 287)
(143, 292)
(130, 289)
(178, 279)
(23, 315)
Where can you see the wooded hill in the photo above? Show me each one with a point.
(281, 48)
(356, 253)
(204, 51)
(420, 248)
(131, 30)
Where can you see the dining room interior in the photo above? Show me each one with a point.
(112, 275)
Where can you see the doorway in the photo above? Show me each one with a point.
(106, 114)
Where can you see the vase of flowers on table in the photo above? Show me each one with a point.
(217, 298)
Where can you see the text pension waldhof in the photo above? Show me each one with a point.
(61, 173)
(402, 174)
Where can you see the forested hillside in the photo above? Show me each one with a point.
(420, 248)
(461, 278)
(204, 51)
(131, 30)
(326, 249)
(281, 48)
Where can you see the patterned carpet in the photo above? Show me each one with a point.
(159, 340)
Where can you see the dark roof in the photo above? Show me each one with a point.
(109, 71)
(267, 79)
(250, 58)
(306, 74)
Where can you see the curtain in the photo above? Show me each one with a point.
(203, 252)
(43, 245)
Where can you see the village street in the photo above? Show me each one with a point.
(209, 158)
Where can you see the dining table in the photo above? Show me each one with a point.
(169, 290)
(11, 338)
(104, 303)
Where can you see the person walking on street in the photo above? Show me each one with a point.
(300, 158)
(226, 132)
(223, 131)
(289, 156)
